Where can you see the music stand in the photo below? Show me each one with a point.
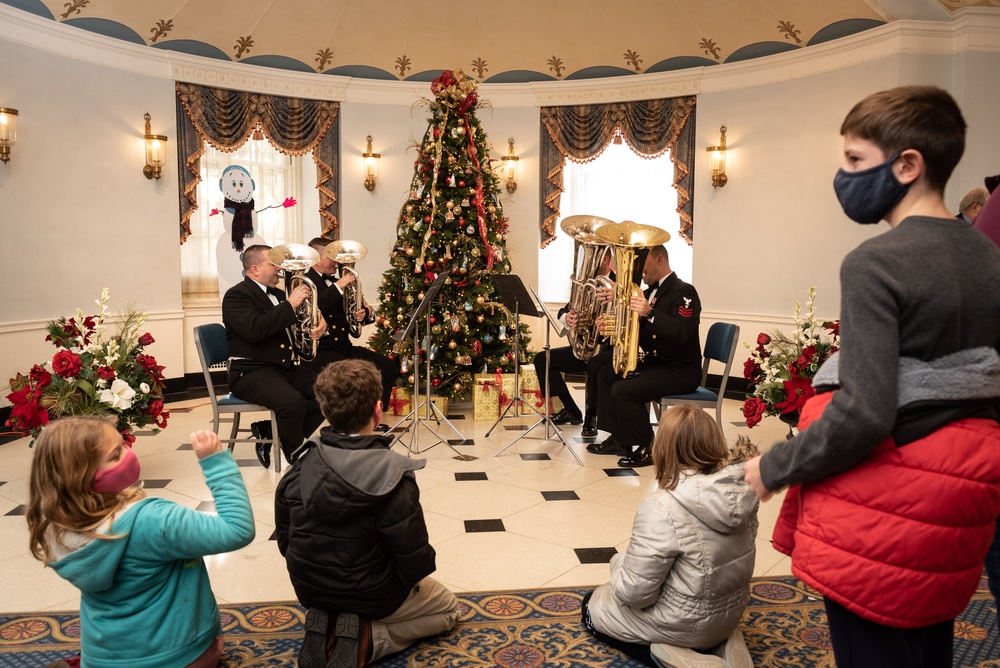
(433, 412)
(550, 322)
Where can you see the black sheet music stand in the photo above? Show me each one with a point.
(537, 306)
(433, 412)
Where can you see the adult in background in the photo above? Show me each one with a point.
(900, 466)
(669, 311)
(257, 316)
(338, 346)
(972, 204)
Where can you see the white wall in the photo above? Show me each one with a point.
(76, 214)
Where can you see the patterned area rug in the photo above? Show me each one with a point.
(785, 625)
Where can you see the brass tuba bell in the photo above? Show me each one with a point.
(631, 243)
(588, 256)
(295, 260)
(346, 254)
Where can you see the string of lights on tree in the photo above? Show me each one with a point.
(451, 222)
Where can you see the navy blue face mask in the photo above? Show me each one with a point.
(869, 195)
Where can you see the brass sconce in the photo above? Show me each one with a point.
(371, 166)
(8, 132)
(509, 165)
(156, 149)
(719, 177)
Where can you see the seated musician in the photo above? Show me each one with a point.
(563, 360)
(338, 346)
(669, 311)
(257, 316)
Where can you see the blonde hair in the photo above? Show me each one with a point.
(687, 440)
(60, 498)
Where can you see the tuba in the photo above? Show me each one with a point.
(631, 243)
(295, 260)
(345, 254)
(588, 255)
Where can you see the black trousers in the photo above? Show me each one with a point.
(564, 361)
(288, 391)
(621, 402)
(860, 643)
(387, 368)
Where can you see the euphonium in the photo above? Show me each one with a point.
(631, 242)
(295, 260)
(346, 254)
(588, 255)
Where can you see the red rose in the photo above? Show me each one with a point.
(155, 407)
(148, 362)
(41, 377)
(105, 373)
(146, 339)
(66, 364)
(763, 339)
(753, 410)
(750, 369)
(128, 437)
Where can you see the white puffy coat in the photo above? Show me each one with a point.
(684, 578)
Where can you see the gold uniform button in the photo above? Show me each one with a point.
(282, 345)
(654, 336)
(283, 361)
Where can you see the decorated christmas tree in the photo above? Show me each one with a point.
(451, 223)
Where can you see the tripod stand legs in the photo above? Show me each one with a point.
(416, 421)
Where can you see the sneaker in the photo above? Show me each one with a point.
(262, 431)
(313, 652)
(353, 647)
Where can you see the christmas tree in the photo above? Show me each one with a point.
(452, 222)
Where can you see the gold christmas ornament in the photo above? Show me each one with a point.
(410, 380)
(452, 345)
(480, 299)
(461, 131)
(409, 208)
(385, 281)
(420, 296)
(480, 318)
(450, 204)
(457, 387)
(475, 252)
(436, 329)
(409, 251)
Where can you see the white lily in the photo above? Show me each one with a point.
(119, 396)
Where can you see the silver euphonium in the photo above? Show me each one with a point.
(295, 260)
(588, 256)
(346, 254)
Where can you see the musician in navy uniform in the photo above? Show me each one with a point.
(669, 312)
(338, 346)
(257, 316)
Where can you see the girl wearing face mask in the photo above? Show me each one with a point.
(145, 596)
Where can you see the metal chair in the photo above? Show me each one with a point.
(213, 351)
(720, 345)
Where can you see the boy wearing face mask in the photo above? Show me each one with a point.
(899, 468)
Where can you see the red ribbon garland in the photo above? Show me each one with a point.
(480, 209)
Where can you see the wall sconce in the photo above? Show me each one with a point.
(371, 166)
(8, 132)
(509, 165)
(156, 149)
(719, 177)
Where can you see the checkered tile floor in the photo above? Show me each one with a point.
(530, 516)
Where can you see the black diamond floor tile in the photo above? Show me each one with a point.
(471, 475)
(155, 484)
(516, 427)
(595, 555)
(569, 495)
(185, 446)
(248, 463)
(206, 506)
(274, 535)
(585, 439)
(20, 510)
(481, 526)
(620, 473)
(456, 417)
(535, 456)
(461, 441)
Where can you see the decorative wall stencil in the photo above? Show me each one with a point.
(556, 65)
(402, 64)
(243, 45)
(162, 27)
(74, 8)
(632, 58)
(479, 66)
(788, 29)
(710, 48)
(323, 59)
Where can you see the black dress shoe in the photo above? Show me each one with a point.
(608, 446)
(262, 431)
(566, 416)
(641, 457)
(589, 426)
(383, 427)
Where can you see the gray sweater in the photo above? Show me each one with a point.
(925, 289)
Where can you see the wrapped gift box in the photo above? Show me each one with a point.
(533, 395)
(491, 394)
(399, 404)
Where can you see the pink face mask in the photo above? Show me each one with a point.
(119, 477)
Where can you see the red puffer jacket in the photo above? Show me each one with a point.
(900, 538)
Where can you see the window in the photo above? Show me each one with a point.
(276, 177)
(619, 185)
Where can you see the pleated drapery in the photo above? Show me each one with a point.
(649, 127)
(227, 118)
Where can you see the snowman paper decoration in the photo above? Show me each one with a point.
(239, 219)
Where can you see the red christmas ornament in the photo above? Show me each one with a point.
(476, 283)
(477, 348)
(461, 184)
(436, 381)
(427, 219)
(433, 320)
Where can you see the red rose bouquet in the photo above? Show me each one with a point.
(781, 367)
(99, 368)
